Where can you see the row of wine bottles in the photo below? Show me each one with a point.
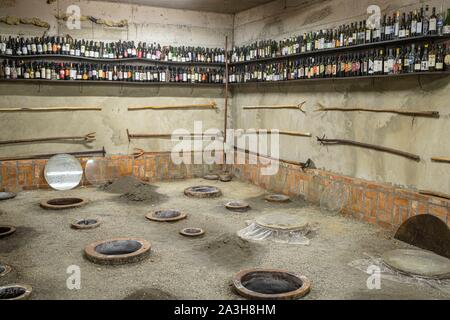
(11, 69)
(399, 26)
(415, 23)
(115, 50)
(396, 60)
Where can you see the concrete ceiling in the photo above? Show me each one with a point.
(220, 6)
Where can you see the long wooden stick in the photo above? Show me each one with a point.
(324, 141)
(428, 114)
(441, 159)
(286, 106)
(303, 165)
(86, 138)
(211, 105)
(289, 133)
(168, 135)
(434, 194)
(50, 109)
(47, 156)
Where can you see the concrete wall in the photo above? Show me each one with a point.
(166, 26)
(425, 137)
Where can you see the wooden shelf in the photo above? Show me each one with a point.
(69, 58)
(359, 47)
(186, 84)
(105, 82)
(391, 76)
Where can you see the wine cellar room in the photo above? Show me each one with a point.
(224, 150)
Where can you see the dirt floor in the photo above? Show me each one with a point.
(44, 246)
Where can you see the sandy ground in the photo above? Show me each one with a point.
(44, 246)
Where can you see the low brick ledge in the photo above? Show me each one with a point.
(376, 203)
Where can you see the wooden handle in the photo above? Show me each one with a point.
(441, 159)
(428, 114)
(298, 134)
(327, 142)
(47, 109)
(289, 133)
(211, 105)
(285, 106)
(87, 138)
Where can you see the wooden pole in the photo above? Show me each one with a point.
(428, 114)
(48, 156)
(86, 138)
(441, 159)
(327, 142)
(287, 106)
(50, 109)
(211, 105)
(288, 133)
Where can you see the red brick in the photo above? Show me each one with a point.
(438, 211)
(9, 174)
(38, 177)
(25, 173)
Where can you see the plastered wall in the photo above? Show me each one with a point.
(165, 26)
(422, 136)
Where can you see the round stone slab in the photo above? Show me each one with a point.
(282, 221)
(7, 195)
(418, 262)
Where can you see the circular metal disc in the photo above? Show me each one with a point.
(63, 172)
(94, 171)
(282, 221)
(418, 262)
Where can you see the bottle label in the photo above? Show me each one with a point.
(447, 59)
(431, 60)
(439, 66)
(414, 27)
(446, 29)
(419, 27)
(432, 26)
(424, 66)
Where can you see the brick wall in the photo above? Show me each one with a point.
(380, 204)
(29, 174)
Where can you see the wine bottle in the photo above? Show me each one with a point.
(433, 23)
(446, 28)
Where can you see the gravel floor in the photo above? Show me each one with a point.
(44, 246)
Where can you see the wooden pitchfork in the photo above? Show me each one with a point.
(86, 138)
